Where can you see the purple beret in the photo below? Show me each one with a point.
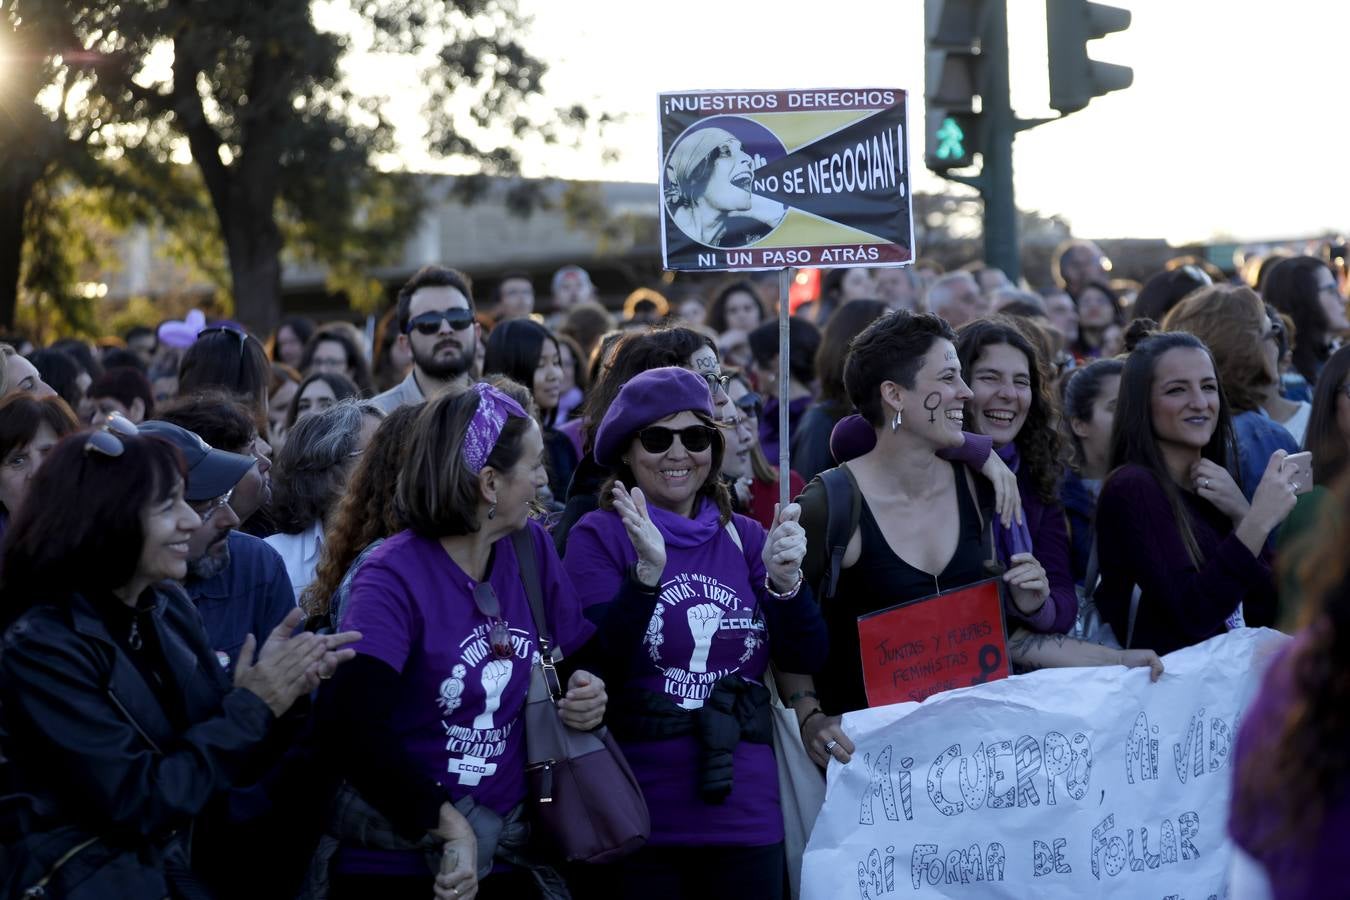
(648, 397)
(851, 438)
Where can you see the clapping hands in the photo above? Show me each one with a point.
(289, 664)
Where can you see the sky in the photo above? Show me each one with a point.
(1234, 126)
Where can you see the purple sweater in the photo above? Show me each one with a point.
(1180, 604)
(1050, 546)
(1311, 865)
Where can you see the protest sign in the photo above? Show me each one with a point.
(949, 640)
(1063, 783)
(774, 179)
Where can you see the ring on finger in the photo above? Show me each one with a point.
(830, 745)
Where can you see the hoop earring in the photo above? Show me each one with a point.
(895, 423)
(492, 511)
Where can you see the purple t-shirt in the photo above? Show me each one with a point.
(459, 713)
(704, 628)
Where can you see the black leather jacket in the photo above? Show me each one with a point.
(94, 754)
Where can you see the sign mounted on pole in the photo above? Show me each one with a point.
(773, 179)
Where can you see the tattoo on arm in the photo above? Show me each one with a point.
(1028, 649)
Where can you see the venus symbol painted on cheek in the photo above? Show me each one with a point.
(931, 403)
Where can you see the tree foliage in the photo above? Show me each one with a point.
(285, 145)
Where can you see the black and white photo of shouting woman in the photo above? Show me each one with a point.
(709, 191)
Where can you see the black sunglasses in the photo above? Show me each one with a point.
(499, 636)
(429, 323)
(225, 329)
(658, 439)
(108, 439)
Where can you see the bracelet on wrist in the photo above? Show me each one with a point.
(790, 592)
(802, 695)
(802, 725)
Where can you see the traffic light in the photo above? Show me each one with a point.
(1074, 78)
(954, 79)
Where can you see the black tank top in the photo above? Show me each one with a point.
(879, 580)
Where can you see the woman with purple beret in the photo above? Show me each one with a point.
(694, 602)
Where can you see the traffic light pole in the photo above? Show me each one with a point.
(996, 174)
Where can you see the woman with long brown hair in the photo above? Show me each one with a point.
(1291, 796)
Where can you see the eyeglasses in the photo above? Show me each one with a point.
(658, 439)
(428, 323)
(750, 405)
(499, 636)
(716, 381)
(107, 440)
(214, 506)
(225, 329)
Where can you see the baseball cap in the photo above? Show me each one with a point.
(211, 472)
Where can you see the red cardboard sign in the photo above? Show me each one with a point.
(949, 640)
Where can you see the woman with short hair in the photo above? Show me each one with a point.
(921, 528)
(123, 390)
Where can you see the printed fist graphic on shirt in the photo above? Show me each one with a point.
(496, 673)
(703, 622)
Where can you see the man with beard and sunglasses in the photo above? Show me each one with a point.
(237, 582)
(436, 326)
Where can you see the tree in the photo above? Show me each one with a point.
(285, 147)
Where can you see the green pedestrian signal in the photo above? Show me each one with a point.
(951, 140)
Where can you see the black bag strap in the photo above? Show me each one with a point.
(843, 504)
(529, 576)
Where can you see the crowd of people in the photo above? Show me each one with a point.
(267, 598)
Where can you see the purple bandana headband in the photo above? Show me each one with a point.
(485, 428)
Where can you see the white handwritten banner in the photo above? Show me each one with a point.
(1064, 783)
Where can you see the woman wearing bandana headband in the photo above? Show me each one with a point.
(432, 725)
